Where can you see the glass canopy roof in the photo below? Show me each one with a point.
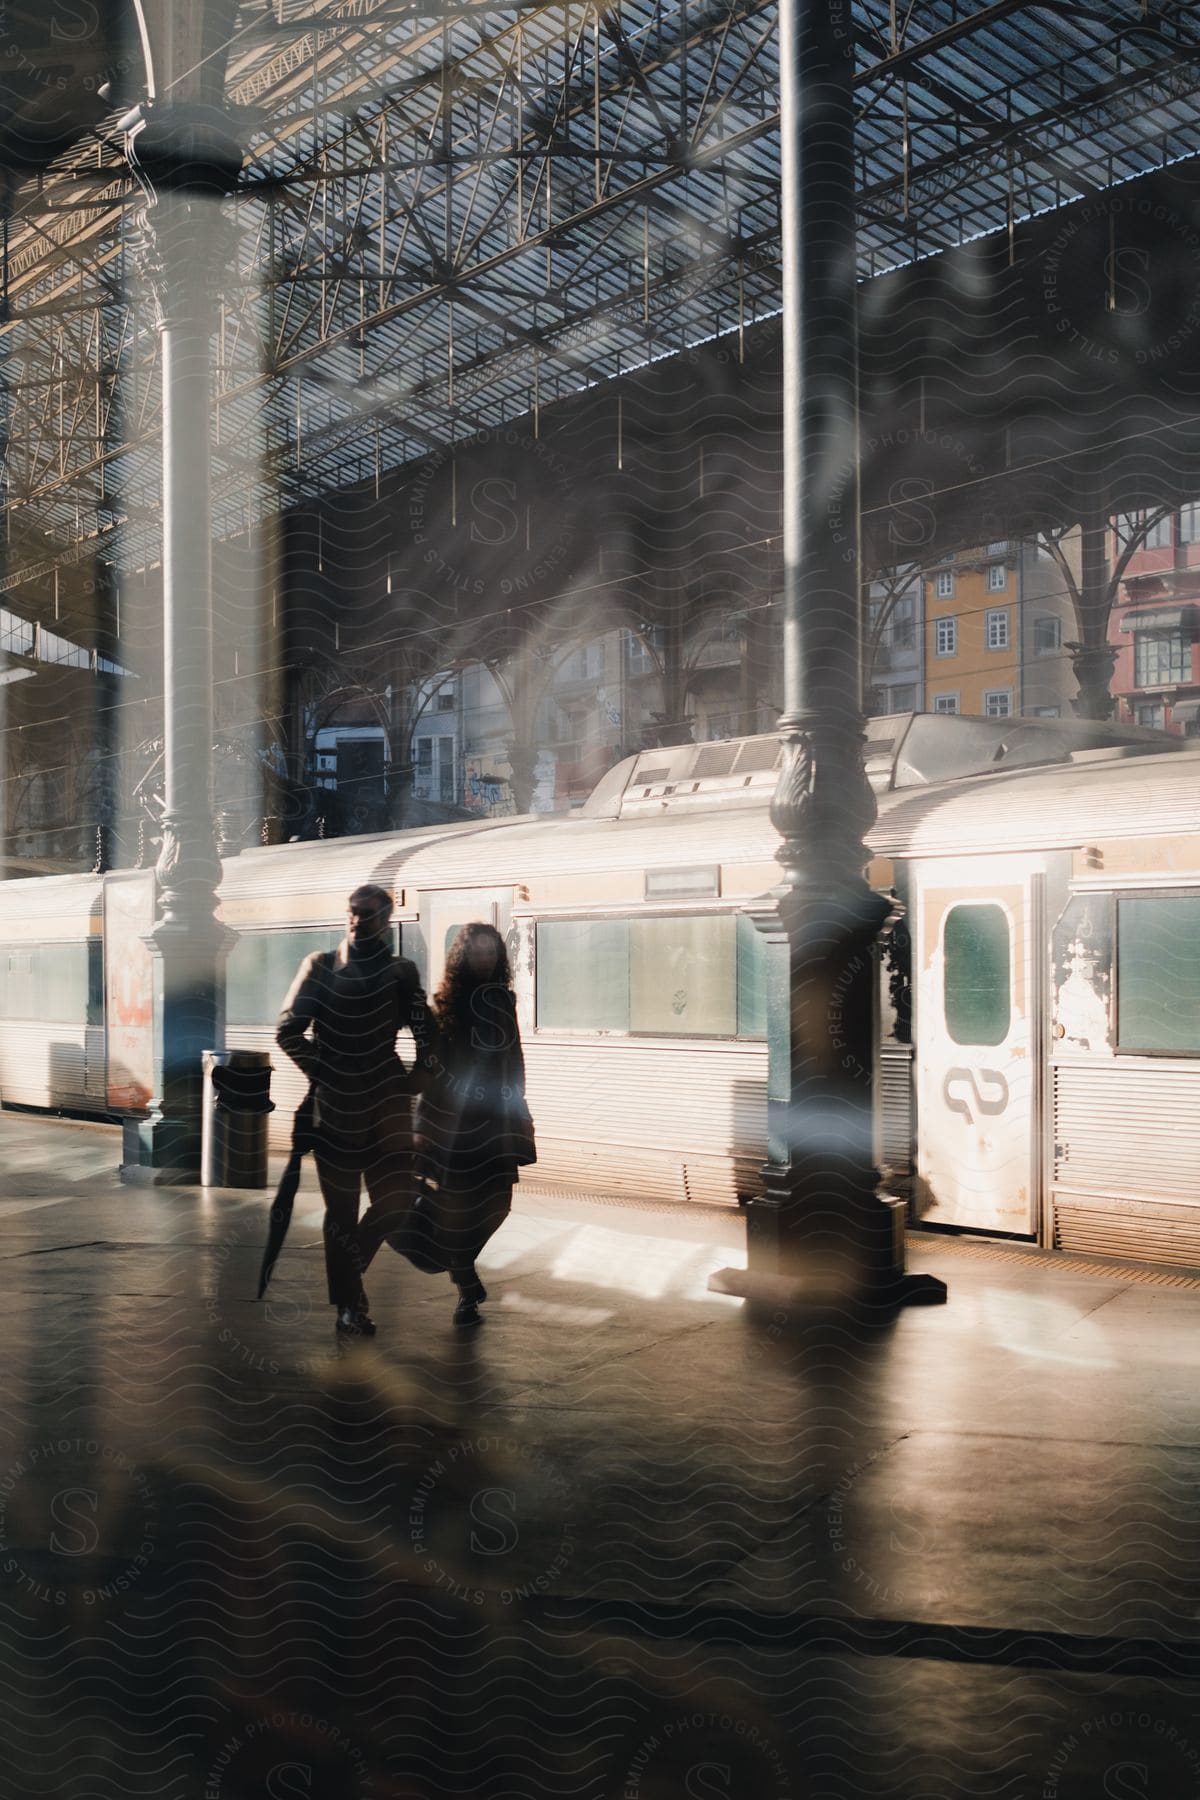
(449, 219)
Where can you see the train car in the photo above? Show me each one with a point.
(52, 1043)
(639, 973)
(1055, 926)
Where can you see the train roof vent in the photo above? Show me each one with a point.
(758, 754)
(687, 778)
(948, 746)
(714, 759)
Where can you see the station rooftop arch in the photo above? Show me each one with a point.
(450, 218)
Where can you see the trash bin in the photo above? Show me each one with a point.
(237, 1102)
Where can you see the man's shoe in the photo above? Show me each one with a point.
(353, 1323)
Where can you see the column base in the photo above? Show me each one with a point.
(800, 1294)
(159, 1153)
(858, 1271)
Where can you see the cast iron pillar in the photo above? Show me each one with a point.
(820, 1233)
(1093, 658)
(185, 159)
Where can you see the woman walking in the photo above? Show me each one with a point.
(473, 1126)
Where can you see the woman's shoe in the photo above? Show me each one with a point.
(355, 1321)
(467, 1313)
(471, 1291)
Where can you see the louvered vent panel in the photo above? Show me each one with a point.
(895, 1100)
(1138, 1230)
(715, 759)
(629, 1118)
(1128, 1129)
(93, 1062)
(758, 754)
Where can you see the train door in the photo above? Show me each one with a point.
(445, 911)
(979, 1003)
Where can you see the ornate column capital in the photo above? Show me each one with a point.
(185, 148)
(185, 158)
(823, 805)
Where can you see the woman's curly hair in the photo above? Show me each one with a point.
(453, 998)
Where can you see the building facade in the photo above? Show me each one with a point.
(1154, 625)
(996, 622)
(894, 651)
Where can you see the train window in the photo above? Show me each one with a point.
(751, 979)
(583, 975)
(61, 984)
(17, 995)
(414, 946)
(1158, 974)
(975, 973)
(677, 975)
(683, 976)
(95, 993)
(261, 968)
(48, 983)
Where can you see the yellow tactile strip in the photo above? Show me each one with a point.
(1054, 1259)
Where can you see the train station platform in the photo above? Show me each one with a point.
(616, 1544)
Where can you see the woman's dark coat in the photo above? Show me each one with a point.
(472, 1122)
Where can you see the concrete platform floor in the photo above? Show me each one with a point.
(617, 1544)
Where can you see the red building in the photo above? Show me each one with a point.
(1155, 622)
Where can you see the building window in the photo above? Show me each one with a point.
(1132, 528)
(945, 703)
(901, 632)
(1047, 712)
(945, 637)
(945, 585)
(997, 578)
(1047, 636)
(445, 700)
(1161, 657)
(899, 699)
(1154, 713)
(997, 628)
(1189, 523)
(16, 634)
(638, 659)
(997, 703)
(434, 772)
(46, 798)
(999, 548)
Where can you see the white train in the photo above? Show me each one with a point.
(1040, 1005)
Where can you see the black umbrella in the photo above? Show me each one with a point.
(281, 1216)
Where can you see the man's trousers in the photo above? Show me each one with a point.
(383, 1160)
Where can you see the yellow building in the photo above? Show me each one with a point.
(972, 629)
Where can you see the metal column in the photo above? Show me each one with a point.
(820, 1233)
(185, 159)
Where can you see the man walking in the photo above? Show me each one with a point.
(339, 1025)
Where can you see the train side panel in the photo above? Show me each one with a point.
(51, 1001)
(1125, 1054)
